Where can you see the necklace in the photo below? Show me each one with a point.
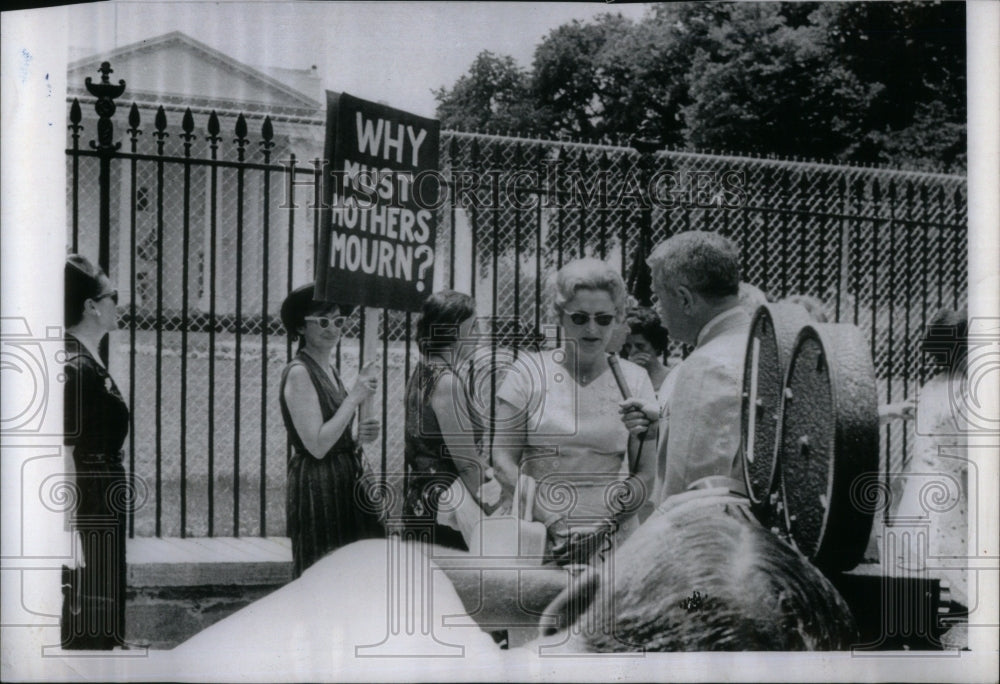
(583, 376)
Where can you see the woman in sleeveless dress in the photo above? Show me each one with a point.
(443, 435)
(327, 504)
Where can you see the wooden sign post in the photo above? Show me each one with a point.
(380, 195)
(376, 250)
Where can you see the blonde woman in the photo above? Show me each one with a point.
(559, 421)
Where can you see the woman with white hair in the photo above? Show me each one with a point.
(560, 428)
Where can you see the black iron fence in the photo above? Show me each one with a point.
(205, 222)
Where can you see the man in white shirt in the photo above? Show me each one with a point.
(696, 280)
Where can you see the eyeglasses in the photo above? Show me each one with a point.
(580, 318)
(325, 322)
(113, 294)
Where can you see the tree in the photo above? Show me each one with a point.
(877, 82)
(915, 53)
(766, 87)
(570, 83)
(493, 96)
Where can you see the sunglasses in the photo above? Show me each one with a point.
(325, 322)
(113, 294)
(580, 318)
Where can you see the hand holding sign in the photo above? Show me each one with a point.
(366, 384)
(368, 430)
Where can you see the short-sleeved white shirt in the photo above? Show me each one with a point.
(575, 434)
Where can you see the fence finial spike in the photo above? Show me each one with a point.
(241, 128)
(187, 125)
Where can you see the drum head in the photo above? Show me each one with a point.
(829, 439)
(773, 332)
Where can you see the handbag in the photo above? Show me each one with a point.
(514, 534)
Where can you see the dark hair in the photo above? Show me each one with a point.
(644, 321)
(946, 339)
(82, 282)
(707, 263)
(300, 303)
(709, 581)
(439, 318)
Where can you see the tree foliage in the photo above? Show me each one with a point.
(494, 95)
(875, 82)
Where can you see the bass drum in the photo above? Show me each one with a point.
(773, 332)
(829, 441)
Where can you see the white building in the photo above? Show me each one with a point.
(179, 73)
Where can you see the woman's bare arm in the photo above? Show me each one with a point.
(451, 409)
(303, 406)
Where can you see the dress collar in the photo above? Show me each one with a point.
(92, 353)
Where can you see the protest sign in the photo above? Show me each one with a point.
(376, 246)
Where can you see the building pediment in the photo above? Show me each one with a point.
(177, 68)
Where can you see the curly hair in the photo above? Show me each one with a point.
(587, 274)
(644, 321)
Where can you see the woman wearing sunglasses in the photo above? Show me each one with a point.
(559, 421)
(96, 423)
(325, 507)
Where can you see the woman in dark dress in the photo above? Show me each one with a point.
(96, 424)
(327, 506)
(443, 431)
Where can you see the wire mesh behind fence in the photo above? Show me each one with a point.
(204, 253)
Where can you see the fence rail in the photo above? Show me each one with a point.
(210, 225)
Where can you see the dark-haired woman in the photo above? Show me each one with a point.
(96, 424)
(326, 505)
(646, 342)
(442, 437)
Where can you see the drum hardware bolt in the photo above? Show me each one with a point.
(793, 518)
(759, 403)
(823, 501)
(788, 393)
(804, 446)
(944, 598)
